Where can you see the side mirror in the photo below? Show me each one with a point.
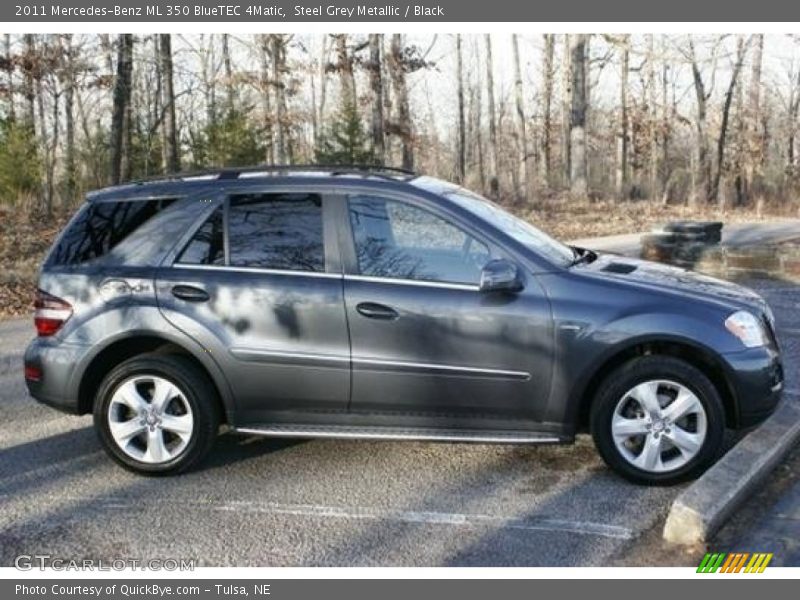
(500, 275)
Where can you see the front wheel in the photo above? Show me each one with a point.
(156, 414)
(658, 420)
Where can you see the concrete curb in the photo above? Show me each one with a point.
(702, 508)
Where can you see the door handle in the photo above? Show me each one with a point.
(190, 293)
(371, 310)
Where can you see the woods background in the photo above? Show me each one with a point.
(583, 134)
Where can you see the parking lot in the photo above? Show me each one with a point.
(307, 503)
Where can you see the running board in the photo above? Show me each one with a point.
(347, 432)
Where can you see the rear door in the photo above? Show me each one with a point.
(259, 287)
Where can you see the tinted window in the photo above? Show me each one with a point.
(397, 240)
(207, 245)
(101, 226)
(277, 231)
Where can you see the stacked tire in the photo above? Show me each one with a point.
(681, 243)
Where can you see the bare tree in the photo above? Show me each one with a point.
(68, 80)
(622, 132)
(519, 94)
(171, 155)
(494, 182)
(548, 73)
(461, 149)
(751, 185)
(228, 66)
(376, 87)
(579, 184)
(701, 172)
(402, 124)
(741, 48)
(120, 117)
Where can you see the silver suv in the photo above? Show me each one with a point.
(375, 303)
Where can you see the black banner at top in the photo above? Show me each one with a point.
(218, 11)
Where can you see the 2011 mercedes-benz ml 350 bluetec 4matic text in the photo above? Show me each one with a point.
(355, 302)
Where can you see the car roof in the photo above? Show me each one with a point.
(186, 184)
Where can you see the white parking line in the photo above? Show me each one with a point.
(400, 516)
(410, 517)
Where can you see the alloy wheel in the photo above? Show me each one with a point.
(659, 426)
(150, 419)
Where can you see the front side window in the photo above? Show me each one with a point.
(397, 240)
(276, 231)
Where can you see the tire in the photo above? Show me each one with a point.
(678, 449)
(129, 423)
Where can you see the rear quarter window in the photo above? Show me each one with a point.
(101, 226)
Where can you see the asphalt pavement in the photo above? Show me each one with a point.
(307, 503)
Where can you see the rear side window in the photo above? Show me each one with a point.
(276, 231)
(208, 244)
(101, 226)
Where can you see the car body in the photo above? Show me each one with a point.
(372, 303)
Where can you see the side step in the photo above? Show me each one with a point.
(348, 432)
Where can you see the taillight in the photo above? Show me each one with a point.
(50, 313)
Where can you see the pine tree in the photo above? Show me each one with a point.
(345, 142)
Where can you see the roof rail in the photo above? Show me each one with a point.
(236, 172)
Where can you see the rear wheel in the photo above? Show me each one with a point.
(156, 414)
(658, 420)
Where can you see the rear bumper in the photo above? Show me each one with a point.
(756, 379)
(56, 362)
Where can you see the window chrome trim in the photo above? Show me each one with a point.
(284, 272)
(418, 282)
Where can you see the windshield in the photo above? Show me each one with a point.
(520, 230)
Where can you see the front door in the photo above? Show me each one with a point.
(425, 341)
(255, 289)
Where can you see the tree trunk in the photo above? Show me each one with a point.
(494, 181)
(547, 109)
(652, 113)
(120, 124)
(70, 178)
(12, 111)
(701, 190)
(228, 66)
(579, 184)
(323, 86)
(29, 66)
(266, 100)
(172, 163)
(723, 128)
(754, 156)
(281, 142)
(376, 87)
(519, 93)
(566, 110)
(402, 124)
(622, 133)
(665, 114)
(461, 156)
(344, 66)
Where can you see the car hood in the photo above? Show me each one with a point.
(675, 281)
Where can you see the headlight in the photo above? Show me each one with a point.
(747, 328)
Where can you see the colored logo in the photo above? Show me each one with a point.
(734, 562)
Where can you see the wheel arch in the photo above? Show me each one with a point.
(694, 353)
(136, 343)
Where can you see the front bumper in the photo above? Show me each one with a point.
(756, 379)
(56, 362)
